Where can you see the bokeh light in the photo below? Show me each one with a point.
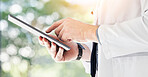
(13, 33)
(45, 1)
(11, 49)
(30, 17)
(82, 2)
(15, 60)
(16, 8)
(6, 66)
(4, 57)
(41, 20)
(49, 20)
(3, 25)
(26, 52)
(23, 66)
(21, 54)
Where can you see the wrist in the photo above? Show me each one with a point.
(90, 34)
(86, 53)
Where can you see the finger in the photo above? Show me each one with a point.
(55, 25)
(40, 37)
(53, 51)
(59, 55)
(41, 41)
(61, 34)
(44, 41)
(58, 30)
(53, 36)
(47, 44)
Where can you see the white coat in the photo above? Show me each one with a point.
(123, 38)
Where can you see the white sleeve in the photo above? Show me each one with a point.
(127, 37)
(86, 64)
(89, 45)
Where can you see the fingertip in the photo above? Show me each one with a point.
(40, 38)
(43, 39)
(46, 40)
(53, 44)
(61, 48)
(47, 32)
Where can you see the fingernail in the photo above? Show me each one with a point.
(45, 40)
(60, 48)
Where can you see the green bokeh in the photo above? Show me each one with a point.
(40, 64)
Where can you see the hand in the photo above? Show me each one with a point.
(72, 30)
(59, 55)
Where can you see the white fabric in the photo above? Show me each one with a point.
(123, 33)
(89, 45)
(133, 65)
(87, 64)
(124, 27)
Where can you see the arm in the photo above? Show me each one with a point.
(126, 38)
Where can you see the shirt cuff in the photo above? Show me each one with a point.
(100, 33)
(98, 36)
(89, 45)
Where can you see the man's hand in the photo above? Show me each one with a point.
(59, 55)
(72, 30)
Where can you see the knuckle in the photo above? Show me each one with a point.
(56, 32)
(57, 60)
(55, 23)
(64, 36)
(68, 19)
(58, 57)
(52, 51)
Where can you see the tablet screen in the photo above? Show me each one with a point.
(35, 31)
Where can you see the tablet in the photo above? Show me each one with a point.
(35, 31)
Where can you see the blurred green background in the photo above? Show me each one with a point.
(21, 55)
